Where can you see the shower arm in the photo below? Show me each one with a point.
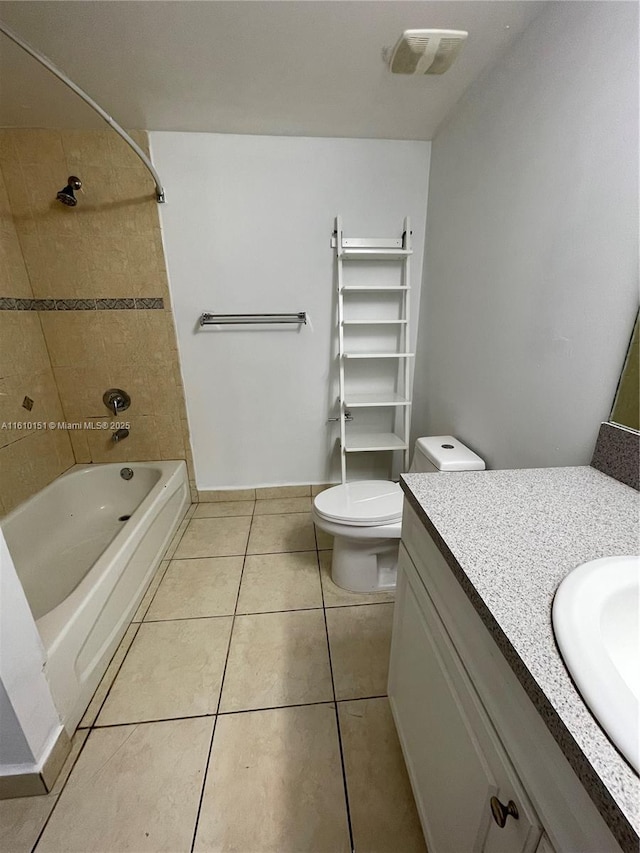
(43, 60)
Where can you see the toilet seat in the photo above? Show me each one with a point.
(364, 503)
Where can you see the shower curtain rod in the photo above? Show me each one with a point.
(43, 60)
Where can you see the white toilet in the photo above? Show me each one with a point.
(365, 517)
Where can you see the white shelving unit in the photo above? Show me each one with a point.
(354, 252)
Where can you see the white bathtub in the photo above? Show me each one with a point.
(84, 570)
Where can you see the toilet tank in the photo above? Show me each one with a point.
(443, 453)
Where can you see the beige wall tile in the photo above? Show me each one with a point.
(22, 345)
(33, 146)
(75, 338)
(108, 246)
(85, 148)
(277, 506)
(227, 495)
(283, 492)
(219, 509)
(17, 475)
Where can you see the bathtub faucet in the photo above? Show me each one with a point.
(119, 435)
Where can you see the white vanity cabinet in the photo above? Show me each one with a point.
(455, 759)
(469, 732)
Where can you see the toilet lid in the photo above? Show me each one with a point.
(361, 503)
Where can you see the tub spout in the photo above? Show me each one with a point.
(119, 435)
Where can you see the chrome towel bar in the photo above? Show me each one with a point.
(238, 319)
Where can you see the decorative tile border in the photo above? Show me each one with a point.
(9, 303)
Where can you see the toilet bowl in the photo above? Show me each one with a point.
(365, 517)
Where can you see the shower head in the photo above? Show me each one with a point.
(66, 195)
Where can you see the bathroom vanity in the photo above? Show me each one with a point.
(490, 723)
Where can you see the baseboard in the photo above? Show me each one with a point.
(38, 782)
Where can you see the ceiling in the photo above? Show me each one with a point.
(291, 67)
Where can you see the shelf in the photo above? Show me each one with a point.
(374, 322)
(374, 254)
(372, 288)
(378, 355)
(354, 401)
(373, 441)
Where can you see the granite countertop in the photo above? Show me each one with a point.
(510, 537)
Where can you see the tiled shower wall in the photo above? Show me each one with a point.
(29, 459)
(105, 315)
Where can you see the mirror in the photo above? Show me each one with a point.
(626, 406)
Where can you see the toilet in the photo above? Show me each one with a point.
(365, 517)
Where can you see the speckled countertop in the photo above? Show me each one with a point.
(510, 537)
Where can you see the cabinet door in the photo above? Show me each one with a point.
(455, 761)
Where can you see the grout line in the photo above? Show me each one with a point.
(168, 562)
(232, 713)
(224, 672)
(250, 613)
(243, 554)
(151, 722)
(335, 706)
(113, 680)
(59, 794)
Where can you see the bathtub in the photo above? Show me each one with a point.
(85, 549)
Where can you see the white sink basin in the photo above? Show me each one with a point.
(596, 623)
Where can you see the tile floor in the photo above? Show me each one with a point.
(244, 710)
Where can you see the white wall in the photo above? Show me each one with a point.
(247, 229)
(29, 721)
(531, 273)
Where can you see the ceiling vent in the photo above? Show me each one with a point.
(426, 51)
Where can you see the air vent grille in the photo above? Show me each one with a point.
(426, 51)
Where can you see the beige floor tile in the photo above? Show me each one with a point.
(21, 820)
(274, 784)
(279, 506)
(360, 641)
(275, 533)
(270, 492)
(277, 659)
(325, 540)
(224, 508)
(383, 812)
(335, 596)
(134, 788)
(173, 669)
(280, 582)
(99, 696)
(190, 589)
(147, 598)
(214, 537)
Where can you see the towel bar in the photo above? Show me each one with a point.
(238, 319)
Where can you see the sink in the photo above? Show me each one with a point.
(596, 623)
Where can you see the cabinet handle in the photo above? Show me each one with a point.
(501, 812)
